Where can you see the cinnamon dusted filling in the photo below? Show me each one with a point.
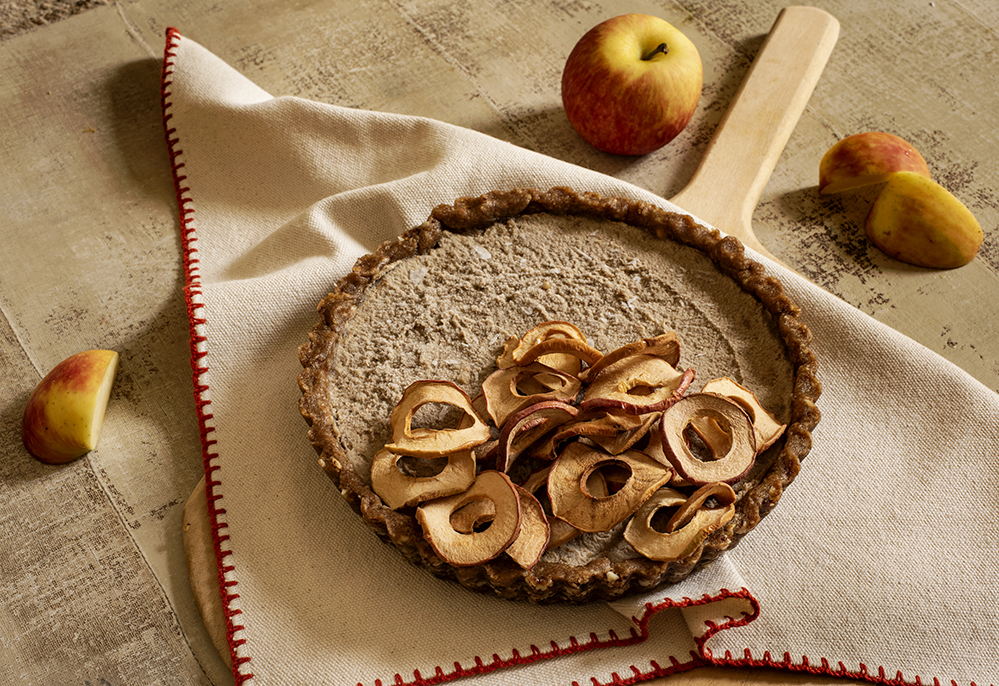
(442, 302)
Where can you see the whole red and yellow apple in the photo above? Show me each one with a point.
(631, 84)
(65, 413)
(916, 220)
(867, 158)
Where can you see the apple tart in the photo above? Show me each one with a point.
(559, 397)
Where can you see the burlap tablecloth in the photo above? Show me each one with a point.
(879, 562)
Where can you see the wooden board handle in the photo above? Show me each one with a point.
(742, 154)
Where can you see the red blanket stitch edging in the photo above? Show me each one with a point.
(198, 339)
(636, 636)
(863, 673)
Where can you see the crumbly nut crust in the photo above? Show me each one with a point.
(547, 581)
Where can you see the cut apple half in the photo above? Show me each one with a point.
(867, 158)
(65, 413)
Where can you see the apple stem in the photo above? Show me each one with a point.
(661, 48)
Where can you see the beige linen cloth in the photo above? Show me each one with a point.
(879, 562)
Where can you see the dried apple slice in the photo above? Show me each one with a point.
(468, 518)
(467, 549)
(631, 429)
(733, 464)
(528, 426)
(687, 527)
(512, 389)
(514, 350)
(434, 442)
(765, 425)
(665, 346)
(561, 347)
(532, 541)
(559, 530)
(654, 449)
(722, 492)
(401, 490)
(636, 385)
(572, 501)
(712, 435)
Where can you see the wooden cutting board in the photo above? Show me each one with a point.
(740, 158)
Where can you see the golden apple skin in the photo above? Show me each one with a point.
(867, 158)
(916, 220)
(65, 412)
(624, 97)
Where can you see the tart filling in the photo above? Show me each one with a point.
(442, 303)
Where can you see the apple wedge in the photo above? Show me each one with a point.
(867, 158)
(916, 220)
(65, 413)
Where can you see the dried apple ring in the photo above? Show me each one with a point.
(514, 350)
(571, 347)
(425, 442)
(512, 389)
(766, 426)
(468, 518)
(686, 529)
(529, 425)
(532, 540)
(665, 346)
(399, 490)
(467, 549)
(733, 463)
(559, 530)
(636, 385)
(571, 500)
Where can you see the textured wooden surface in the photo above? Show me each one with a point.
(93, 573)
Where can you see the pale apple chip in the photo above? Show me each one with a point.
(571, 473)
(733, 463)
(635, 385)
(399, 490)
(510, 390)
(475, 547)
(765, 425)
(686, 529)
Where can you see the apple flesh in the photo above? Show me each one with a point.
(867, 158)
(631, 84)
(916, 220)
(65, 413)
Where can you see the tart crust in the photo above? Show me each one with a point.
(553, 581)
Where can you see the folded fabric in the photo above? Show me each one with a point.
(879, 563)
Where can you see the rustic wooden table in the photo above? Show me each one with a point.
(94, 576)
